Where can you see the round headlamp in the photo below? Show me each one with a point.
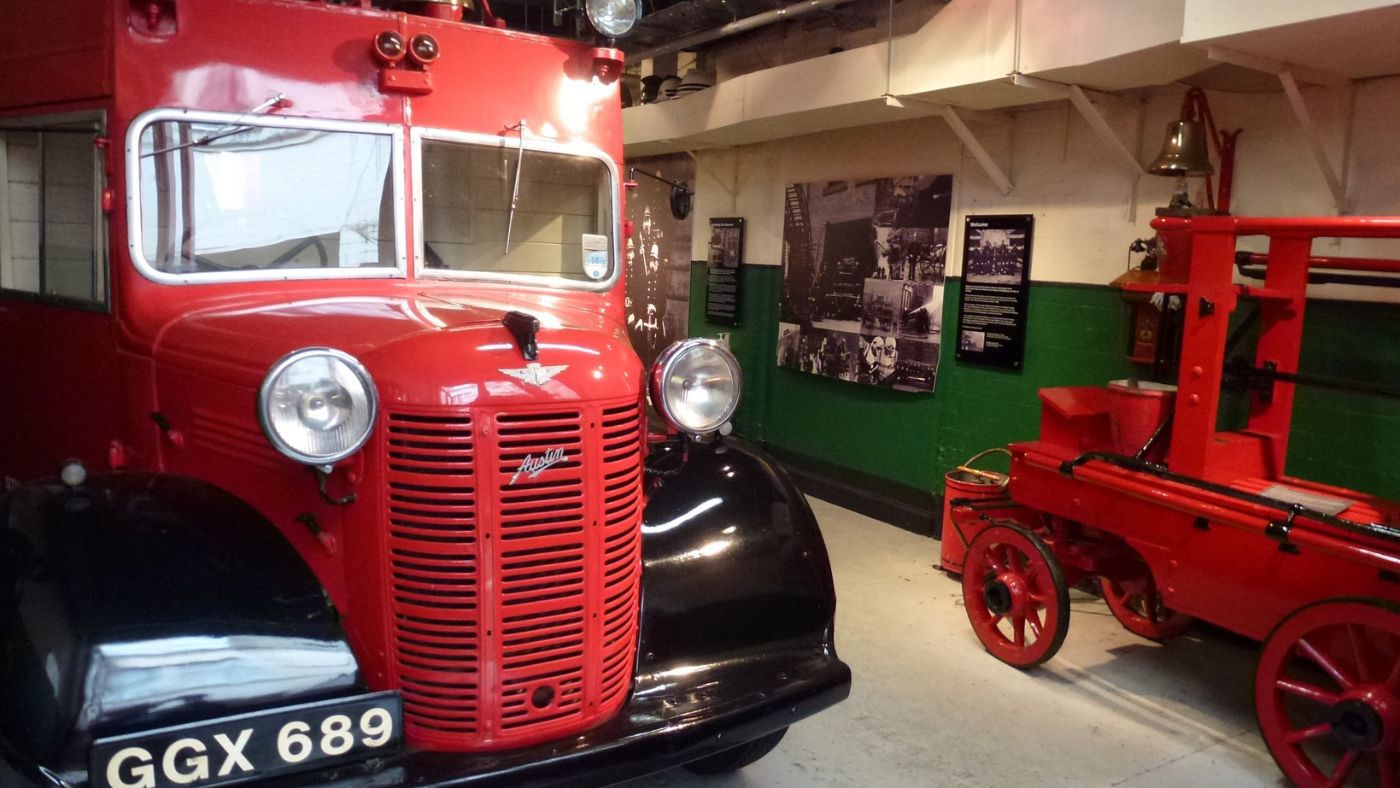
(695, 385)
(613, 18)
(317, 406)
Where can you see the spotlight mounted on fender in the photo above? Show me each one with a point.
(424, 49)
(681, 194)
(389, 47)
(613, 18)
(695, 386)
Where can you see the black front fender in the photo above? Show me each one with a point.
(136, 601)
(733, 563)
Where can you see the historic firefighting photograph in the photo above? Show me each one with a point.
(555, 394)
(995, 255)
(866, 258)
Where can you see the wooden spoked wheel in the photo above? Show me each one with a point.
(1327, 690)
(1015, 595)
(1142, 612)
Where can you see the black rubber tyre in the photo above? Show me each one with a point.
(736, 758)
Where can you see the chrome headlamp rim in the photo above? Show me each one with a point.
(590, 9)
(265, 392)
(666, 363)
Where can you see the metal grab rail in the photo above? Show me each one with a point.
(1288, 227)
(1326, 263)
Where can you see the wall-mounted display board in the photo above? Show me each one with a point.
(996, 289)
(862, 296)
(658, 259)
(722, 284)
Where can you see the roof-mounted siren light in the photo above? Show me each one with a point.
(423, 49)
(390, 47)
(404, 62)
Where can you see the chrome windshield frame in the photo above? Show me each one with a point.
(416, 138)
(135, 247)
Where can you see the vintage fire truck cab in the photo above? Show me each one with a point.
(325, 454)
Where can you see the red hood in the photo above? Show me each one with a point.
(423, 349)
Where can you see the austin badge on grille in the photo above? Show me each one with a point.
(533, 466)
(535, 373)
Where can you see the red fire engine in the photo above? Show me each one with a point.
(325, 452)
(1181, 515)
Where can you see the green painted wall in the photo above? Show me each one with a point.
(1077, 335)
(1341, 438)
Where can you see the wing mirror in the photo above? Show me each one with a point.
(682, 196)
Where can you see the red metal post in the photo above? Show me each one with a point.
(1280, 339)
(1210, 298)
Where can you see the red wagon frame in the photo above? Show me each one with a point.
(1204, 523)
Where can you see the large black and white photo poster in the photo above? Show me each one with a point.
(996, 289)
(862, 296)
(658, 259)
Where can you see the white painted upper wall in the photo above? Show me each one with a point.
(1082, 200)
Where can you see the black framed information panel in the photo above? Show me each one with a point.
(726, 255)
(996, 289)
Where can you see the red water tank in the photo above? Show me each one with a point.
(1137, 408)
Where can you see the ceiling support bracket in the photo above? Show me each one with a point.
(959, 126)
(976, 148)
(1289, 75)
(1091, 114)
(1315, 76)
(1335, 183)
(1098, 124)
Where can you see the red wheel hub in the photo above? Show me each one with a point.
(1006, 595)
(1015, 596)
(1360, 725)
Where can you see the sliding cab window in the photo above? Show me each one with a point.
(225, 199)
(51, 241)
(500, 211)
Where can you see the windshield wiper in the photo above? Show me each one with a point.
(515, 188)
(235, 126)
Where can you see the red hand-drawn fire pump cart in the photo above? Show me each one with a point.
(1138, 486)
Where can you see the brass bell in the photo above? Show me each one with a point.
(1184, 152)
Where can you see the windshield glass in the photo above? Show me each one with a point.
(220, 197)
(560, 226)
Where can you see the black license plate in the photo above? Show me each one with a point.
(252, 746)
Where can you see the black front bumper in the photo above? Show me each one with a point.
(669, 720)
(736, 638)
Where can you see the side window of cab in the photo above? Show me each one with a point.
(51, 239)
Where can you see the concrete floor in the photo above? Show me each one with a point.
(929, 707)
